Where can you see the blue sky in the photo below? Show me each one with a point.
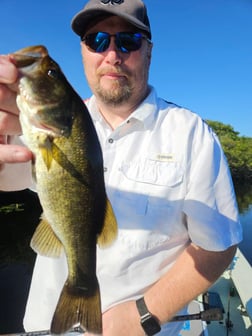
(202, 55)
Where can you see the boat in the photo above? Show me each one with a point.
(231, 294)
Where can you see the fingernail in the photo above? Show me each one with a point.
(22, 156)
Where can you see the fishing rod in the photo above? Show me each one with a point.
(73, 332)
(212, 314)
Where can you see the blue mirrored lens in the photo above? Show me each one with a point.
(98, 42)
(125, 42)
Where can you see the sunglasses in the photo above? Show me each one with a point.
(125, 42)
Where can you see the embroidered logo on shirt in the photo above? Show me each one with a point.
(113, 2)
(165, 157)
(162, 157)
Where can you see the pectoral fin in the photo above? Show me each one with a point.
(110, 230)
(50, 151)
(47, 156)
(45, 242)
(46, 151)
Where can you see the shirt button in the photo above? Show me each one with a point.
(105, 169)
(110, 140)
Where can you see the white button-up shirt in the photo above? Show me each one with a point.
(169, 184)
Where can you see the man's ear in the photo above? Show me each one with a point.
(149, 51)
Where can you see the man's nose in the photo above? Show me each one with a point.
(113, 54)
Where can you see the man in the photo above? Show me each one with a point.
(165, 174)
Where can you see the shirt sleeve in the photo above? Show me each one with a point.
(210, 203)
(16, 176)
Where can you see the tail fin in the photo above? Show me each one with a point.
(76, 307)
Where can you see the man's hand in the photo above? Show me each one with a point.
(123, 320)
(9, 115)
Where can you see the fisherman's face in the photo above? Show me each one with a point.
(113, 76)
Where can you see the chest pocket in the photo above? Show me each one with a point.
(147, 217)
(149, 171)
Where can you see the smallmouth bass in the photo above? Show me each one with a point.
(68, 170)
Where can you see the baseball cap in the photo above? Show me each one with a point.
(133, 11)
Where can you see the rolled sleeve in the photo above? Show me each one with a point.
(210, 204)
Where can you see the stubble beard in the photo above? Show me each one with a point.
(115, 96)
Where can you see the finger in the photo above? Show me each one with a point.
(9, 124)
(3, 139)
(14, 154)
(8, 99)
(8, 71)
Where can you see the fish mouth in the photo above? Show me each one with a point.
(27, 56)
(36, 120)
(41, 126)
(32, 100)
(35, 117)
(26, 97)
(50, 130)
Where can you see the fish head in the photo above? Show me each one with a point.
(43, 96)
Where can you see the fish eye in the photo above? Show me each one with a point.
(53, 73)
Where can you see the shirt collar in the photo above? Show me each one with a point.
(145, 113)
